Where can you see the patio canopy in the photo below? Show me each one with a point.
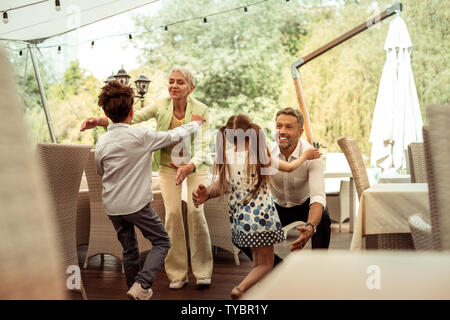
(37, 20)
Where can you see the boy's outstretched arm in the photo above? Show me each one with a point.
(93, 122)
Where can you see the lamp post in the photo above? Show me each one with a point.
(122, 76)
(110, 78)
(141, 83)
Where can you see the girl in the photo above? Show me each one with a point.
(243, 172)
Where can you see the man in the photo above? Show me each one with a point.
(300, 194)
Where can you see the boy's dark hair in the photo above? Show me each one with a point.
(116, 100)
(293, 112)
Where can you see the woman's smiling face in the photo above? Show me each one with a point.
(179, 88)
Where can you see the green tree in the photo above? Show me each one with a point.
(237, 58)
(341, 86)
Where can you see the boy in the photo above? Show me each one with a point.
(123, 157)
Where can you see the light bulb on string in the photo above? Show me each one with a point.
(166, 28)
(57, 5)
(59, 49)
(20, 53)
(205, 20)
(5, 17)
(130, 36)
(92, 45)
(245, 10)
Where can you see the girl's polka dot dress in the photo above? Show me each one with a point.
(255, 223)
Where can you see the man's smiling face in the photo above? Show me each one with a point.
(288, 131)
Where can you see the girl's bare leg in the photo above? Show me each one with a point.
(262, 264)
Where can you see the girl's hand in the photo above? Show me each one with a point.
(312, 154)
(200, 195)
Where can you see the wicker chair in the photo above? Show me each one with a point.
(102, 236)
(63, 166)
(83, 218)
(218, 219)
(31, 258)
(373, 241)
(416, 162)
(437, 153)
(356, 163)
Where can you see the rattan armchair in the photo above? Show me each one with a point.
(102, 236)
(31, 260)
(218, 219)
(355, 161)
(373, 241)
(416, 162)
(63, 166)
(437, 155)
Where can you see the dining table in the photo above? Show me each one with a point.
(343, 275)
(394, 178)
(384, 208)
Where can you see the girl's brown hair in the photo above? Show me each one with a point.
(116, 100)
(257, 151)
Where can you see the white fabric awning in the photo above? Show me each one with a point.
(41, 21)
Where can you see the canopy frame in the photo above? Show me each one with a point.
(396, 8)
(42, 93)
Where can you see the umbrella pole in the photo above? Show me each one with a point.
(41, 91)
(303, 109)
(301, 62)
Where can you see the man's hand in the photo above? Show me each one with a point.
(305, 234)
(196, 117)
(182, 171)
(89, 123)
(200, 195)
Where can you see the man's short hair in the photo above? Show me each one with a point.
(293, 112)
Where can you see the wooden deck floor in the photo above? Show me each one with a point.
(103, 280)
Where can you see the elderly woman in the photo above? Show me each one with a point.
(174, 165)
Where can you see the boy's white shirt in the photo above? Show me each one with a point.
(123, 157)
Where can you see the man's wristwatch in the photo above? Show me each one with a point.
(312, 225)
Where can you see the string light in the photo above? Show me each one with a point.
(20, 53)
(166, 27)
(57, 5)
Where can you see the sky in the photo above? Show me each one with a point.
(109, 52)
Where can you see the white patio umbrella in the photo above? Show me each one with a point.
(397, 120)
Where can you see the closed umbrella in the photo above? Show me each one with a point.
(397, 120)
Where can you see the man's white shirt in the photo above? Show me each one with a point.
(290, 189)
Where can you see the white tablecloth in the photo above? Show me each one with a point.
(394, 178)
(371, 275)
(385, 208)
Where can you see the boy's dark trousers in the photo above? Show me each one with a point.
(152, 228)
(320, 240)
